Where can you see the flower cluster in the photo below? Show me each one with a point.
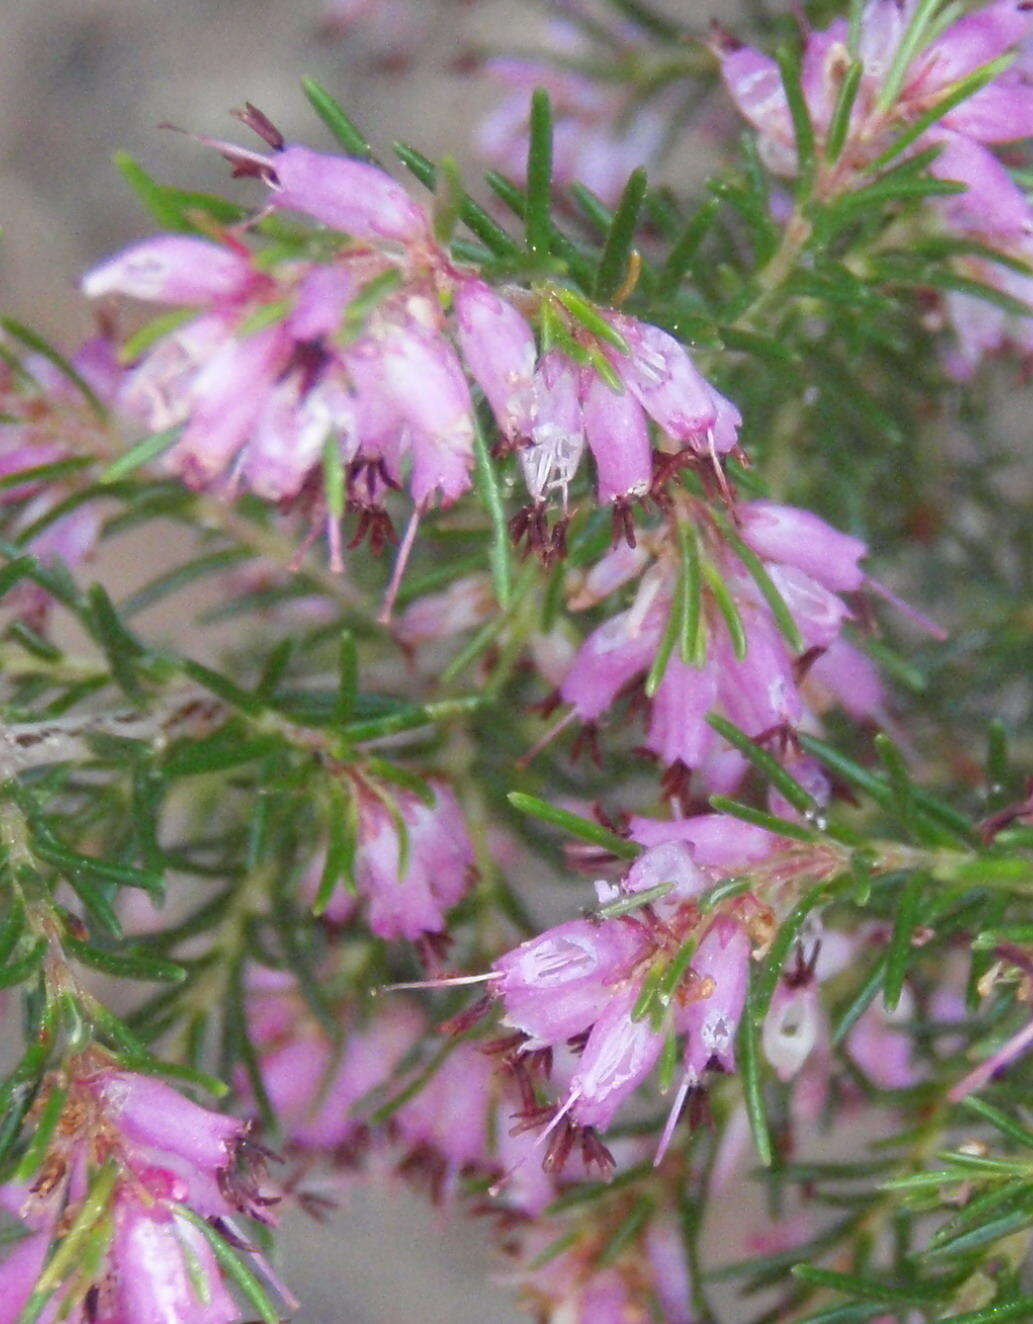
(902, 81)
(329, 804)
(652, 968)
(463, 1120)
(740, 662)
(304, 376)
(156, 1171)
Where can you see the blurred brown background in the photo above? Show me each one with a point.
(82, 78)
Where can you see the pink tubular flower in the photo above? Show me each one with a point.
(601, 132)
(198, 1151)
(445, 1125)
(151, 1280)
(610, 658)
(991, 203)
(794, 1026)
(552, 455)
(715, 840)
(464, 605)
(848, 678)
(499, 349)
(672, 1281)
(361, 200)
(618, 437)
(659, 373)
(711, 1018)
(423, 377)
(882, 1049)
(176, 269)
(710, 1012)
(553, 986)
(619, 1054)
(759, 691)
(803, 541)
(438, 870)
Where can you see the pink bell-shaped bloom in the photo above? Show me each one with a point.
(554, 986)
(759, 691)
(498, 347)
(525, 1186)
(361, 200)
(669, 1271)
(659, 373)
(804, 541)
(710, 1021)
(809, 774)
(1001, 112)
(992, 204)
(289, 433)
(164, 1130)
(668, 864)
(163, 1271)
(601, 130)
(426, 383)
(557, 428)
(157, 390)
(678, 729)
(314, 1086)
(176, 269)
(843, 673)
(724, 431)
(818, 613)
(227, 400)
(465, 605)
(610, 658)
(320, 302)
(754, 83)
(972, 41)
(438, 871)
(619, 1055)
(47, 418)
(616, 567)
(618, 437)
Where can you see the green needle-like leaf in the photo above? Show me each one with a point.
(594, 833)
(616, 255)
(340, 124)
(539, 177)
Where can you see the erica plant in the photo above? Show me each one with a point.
(568, 802)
